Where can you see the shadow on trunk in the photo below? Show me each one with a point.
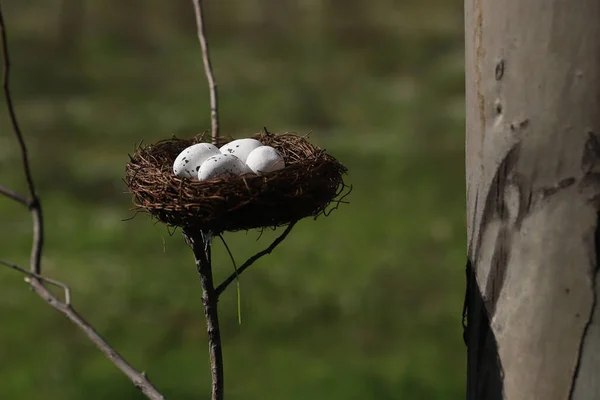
(484, 369)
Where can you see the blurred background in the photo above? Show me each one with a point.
(364, 304)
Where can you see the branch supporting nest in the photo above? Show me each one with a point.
(200, 242)
(221, 288)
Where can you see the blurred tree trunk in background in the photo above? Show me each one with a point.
(533, 142)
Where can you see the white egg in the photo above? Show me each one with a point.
(188, 162)
(220, 166)
(241, 148)
(265, 159)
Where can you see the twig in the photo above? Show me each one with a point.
(41, 278)
(139, 379)
(221, 288)
(11, 108)
(212, 87)
(200, 245)
(34, 203)
(35, 280)
(11, 194)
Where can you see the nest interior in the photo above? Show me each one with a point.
(310, 181)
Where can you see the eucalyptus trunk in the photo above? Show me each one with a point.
(533, 197)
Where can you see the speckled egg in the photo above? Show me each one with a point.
(188, 162)
(265, 159)
(241, 148)
(222, 165)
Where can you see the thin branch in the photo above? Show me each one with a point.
(237, 278)
(10, 105)
(212, 87)
(38, 235)
(35, 280)
(11, 194)
(200, 244)
(34, 203)
(221, 288)
(139, 379)
(41, 278)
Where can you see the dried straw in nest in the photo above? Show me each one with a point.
(310, 181)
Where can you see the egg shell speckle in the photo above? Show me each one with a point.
(188, 162)
(265, 159)
(241, 148)
(222, 165)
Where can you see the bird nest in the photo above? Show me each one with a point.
(309, 183)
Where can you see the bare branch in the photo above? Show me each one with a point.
(41, 278)
(10, 105)
(221, 288)
(200, 244)
(11, 194)
(38, 235)
(35, 280)
(34, 203)
(212, 87)
(139, 379)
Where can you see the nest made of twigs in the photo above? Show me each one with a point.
(310, 181)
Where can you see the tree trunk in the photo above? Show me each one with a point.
(533, 198)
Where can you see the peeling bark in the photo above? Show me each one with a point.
(533, 198)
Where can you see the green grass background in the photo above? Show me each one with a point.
(364, 304)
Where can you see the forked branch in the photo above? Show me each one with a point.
(35, 278)
(34, 203)
(61, 285)
(11, 194)
(221, 288)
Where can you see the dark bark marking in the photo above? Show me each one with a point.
(524, 123)
(473, 220)
(494, 203)
(593, 273)
(499, 72)
(550, 190)
(514, 126)
(497, 274)
(591, 153)
(479, 53)
(591, 179)
(494, 209)
(525, 198)
(565, 183)
(498, 106)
